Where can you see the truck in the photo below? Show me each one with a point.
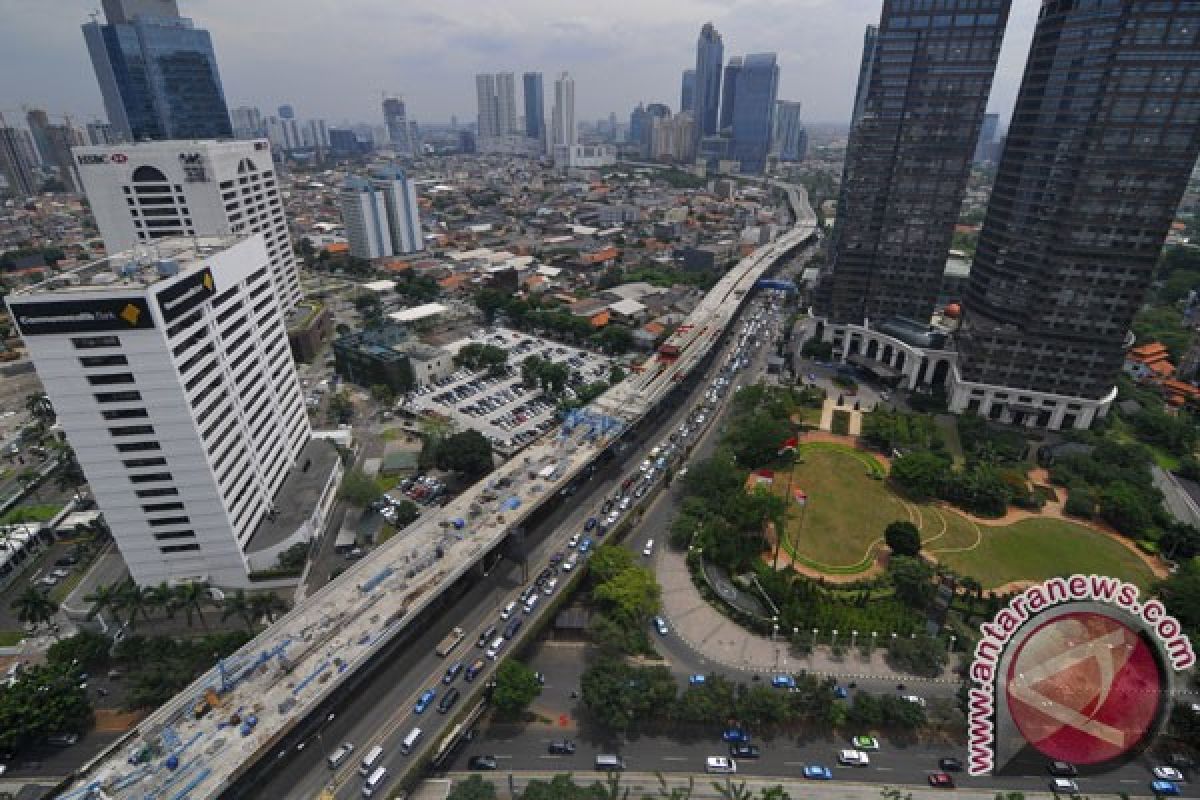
(453, 639)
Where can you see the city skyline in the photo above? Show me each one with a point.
(817, 42)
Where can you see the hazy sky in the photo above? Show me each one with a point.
(333, 58)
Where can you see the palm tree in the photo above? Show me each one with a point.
(39, 407)
(265, 604)
(133, 601)
(678, 793)
(69, 475)
(237, 604)
(103, 598)
(161, 597)
(733, 791)
(35, 607)
(191, 597)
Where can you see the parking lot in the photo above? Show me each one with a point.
(500, 406)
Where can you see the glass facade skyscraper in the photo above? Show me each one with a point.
(753, 109)
(687, 91)
(1105, 132)
(710, 52)
(157, 73)
(909, 156)
(535, 106)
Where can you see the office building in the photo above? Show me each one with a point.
(157, 72)
(506, 104)
(756, 85)
(344, 142)
(169, 370)
(1104, 136)
(403, 212)
(710, 53)
(16, 166)
(908, 159)
(687, 91)
(865, 68)
(563, 126)
(395, 119)
(674, 138)
(489, 120)
(535, 106)
(789, 140)
(61, 138)
(39, 122)
(728, 94)
(365, 217)
(248, 123)
(152, 190)
(287, 112)
(987, 138)
(102, 133)
(316, 135)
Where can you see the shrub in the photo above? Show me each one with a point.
(1080, 503)
(903, 538)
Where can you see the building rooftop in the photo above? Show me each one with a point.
(418, 312)
(137, 268)
(298, 496)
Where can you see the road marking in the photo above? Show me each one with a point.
(883, 769)
(552, 758)
(674, 758)
(1126, 780)
(501, 756)
(794, 763)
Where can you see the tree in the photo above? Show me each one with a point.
(161, 597)
(39, 407)
(903, 538)
(912, 578)
(341, 407)
(921, 475)
(382, 394)
(516, 687)
(632, 595)
(103, 598)
(406, 513)
(267, 604)
(756, 440)
(1179, 542)
(616, 375)
(34, 607)
(1126, 508)
(358, 489)
(238, 604)
(86, 650)
(920, 656)
(473, 788)
(191, 597)
(133, 601)
(608, 561)
(1181, 595)
(468, 453)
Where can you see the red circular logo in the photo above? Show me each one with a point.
(1084, 688)
(119, 158)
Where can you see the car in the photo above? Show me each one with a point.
(744, 750)
(816, 772)
(950, 764)
(591, 523)
(424, 700)
(660, 625)
(482, 762)
(865, 743)
(561, 747)
(696, 680)
(720, 765)
(550, 586)
(1167, 774)
(1161, 788)
(570, 563)
(63, 739)
(585, 545)
(1062, 769)
(853, 758)
(452, 673)
(941, 780)
(624, 504)
(61, 573)
(648, 550)
(1064, 786)
(508, 610)
(573, 542)
(486, 636)
(783, 681)
(841, 692)
(915, 700)
(736, 735)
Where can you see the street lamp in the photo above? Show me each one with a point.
(814, 641)
(774, 627)
(833, 639)
(953, 639)
(853, 638)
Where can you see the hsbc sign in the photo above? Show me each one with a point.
(94, 159)
(1077, 669)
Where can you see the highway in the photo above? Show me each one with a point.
(203, 742)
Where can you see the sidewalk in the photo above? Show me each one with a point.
(715, 637)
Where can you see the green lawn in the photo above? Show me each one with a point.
(847, 511)
(30, 513)
(1036, 549)
(948, 427)
(10, 638)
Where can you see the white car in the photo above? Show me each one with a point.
(1064, 786)
(570, 563)
(550, 586)
(624, 504)
(853, 758)
(649, 548)
(1168, 774)
(720, 765)
(508, 610)
(573, 542)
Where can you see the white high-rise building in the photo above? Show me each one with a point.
(485, 91)
(506, 104)
(564, 111)
(169, 369)
(247, 122)
(147, 191)
(404, 215)
(365, 217)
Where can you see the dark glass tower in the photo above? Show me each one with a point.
(687, 91)
(1104, 135)
(909, 156)
(157, 72)
(710, 52)
(753, 110)
(535, 106)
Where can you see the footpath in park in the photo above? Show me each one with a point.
(718, 639)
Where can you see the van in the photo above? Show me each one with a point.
(374, 782)
(410, 741)
(370, 760)
(531, 604)
(609, 763)
(448, 701)
(720, 765)
(496, 646)
(340, 755)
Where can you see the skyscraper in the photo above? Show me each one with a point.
(687, 91)
(485, 95)
(709, 55)
(247, 123)
(287, 112)
(365, 217)
(39, 122)
(15, 165)
(157, 72)
(140, 193)
(865, 68)
(729, 86)
(404, 215)
(61, 139)
(101, 133)
(1104, 134)
(535, 106)
(987, 137)
(757, 85)
(909, 157)
(395, 119)
(788, 130)
(564, 111)
(171, 377)
(506, 104)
